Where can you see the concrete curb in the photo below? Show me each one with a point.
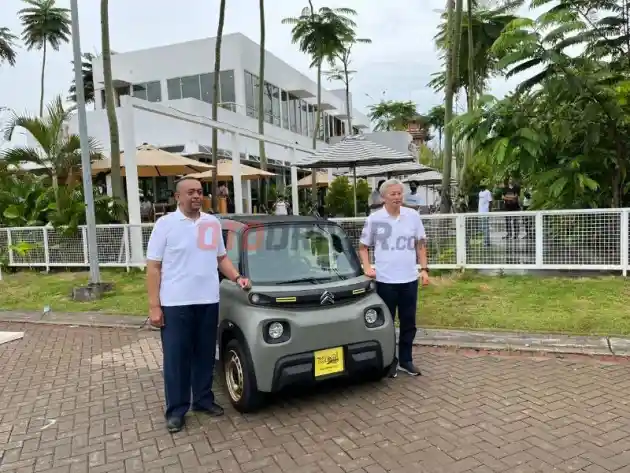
(472, 340)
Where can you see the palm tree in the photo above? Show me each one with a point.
(215, 105)
(45, 24)
(56, 151)
(321, 34)
(88, 80)
(7, 46)
(110, 105)
(452, 67)
(392, 115)
(436, 120)
(343, 73)
(261, 102)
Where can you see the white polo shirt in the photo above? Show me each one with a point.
(394, 241)
(485, 197)
(413, 199)
(188, 250)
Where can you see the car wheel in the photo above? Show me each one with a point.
(239, 378)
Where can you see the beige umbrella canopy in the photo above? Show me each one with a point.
(322, 180)
(154, 162)
(224, 172)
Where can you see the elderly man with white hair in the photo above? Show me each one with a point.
(397, 235)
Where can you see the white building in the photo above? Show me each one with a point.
(180, 76)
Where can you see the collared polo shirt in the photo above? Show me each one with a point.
(188, 250)
(413, 199)
(394, 241)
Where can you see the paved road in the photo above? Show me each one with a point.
(90, 400)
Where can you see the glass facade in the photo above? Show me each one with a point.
(201, 87)
(286, 111)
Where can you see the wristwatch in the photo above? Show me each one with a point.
(426, 270)
(237, 278)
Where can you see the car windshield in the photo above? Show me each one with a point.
(304, 253)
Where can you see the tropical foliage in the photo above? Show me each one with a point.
(57, 152)
(565, 131)
(392, 115)
(340, 197)
(7, 46)
(88, 80)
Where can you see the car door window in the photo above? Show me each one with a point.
(231, 241)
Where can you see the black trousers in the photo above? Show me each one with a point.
(189, 340)
(512, 225)
(402, 298)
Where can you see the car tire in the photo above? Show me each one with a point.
(238, 374)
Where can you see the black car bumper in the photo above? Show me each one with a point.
(299, 369)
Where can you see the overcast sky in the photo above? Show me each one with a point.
(397, 65)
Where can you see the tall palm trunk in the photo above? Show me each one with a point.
(42, 80)
(316, 131)
(110, 105)
(261, 105)
(471, 93)
(452, 65)
(215, 107)
(348, 107)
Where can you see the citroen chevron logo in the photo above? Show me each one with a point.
(327, 298)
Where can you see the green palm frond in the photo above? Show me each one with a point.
(44, 23)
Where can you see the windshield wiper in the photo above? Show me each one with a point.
(312, 280)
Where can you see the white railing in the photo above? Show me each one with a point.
(595, 239)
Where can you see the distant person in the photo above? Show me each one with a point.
(528, 221)
(412, 198)
(511, 195)
(375, 202)
(485, 202)
(281, 207)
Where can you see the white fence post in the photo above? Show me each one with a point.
(126, 237)
(10, 246)
(624, 242)
(539, 238)
(460, 240)
(84, 240)
(46, 249)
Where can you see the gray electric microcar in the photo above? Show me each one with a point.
(310, 315)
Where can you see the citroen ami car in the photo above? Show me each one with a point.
(311, 314)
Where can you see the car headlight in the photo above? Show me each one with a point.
(372, 286)
(275, 330)
(255, 298)
(371, 316)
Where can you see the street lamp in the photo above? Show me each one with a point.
(88, 192)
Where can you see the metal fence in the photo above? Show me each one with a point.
(594, 239)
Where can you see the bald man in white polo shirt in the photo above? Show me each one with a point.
(185, 252)
(397, 235)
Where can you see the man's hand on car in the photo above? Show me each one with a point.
(370, 272)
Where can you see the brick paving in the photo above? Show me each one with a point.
(76, 400)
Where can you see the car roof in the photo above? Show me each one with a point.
(264, 219)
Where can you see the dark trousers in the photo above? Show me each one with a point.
(403, 297)
(189, 346)
(512, 226)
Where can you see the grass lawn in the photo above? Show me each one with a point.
(533, 304)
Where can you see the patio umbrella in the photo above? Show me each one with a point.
(322, 180)
(391, 170)
(426, 178)
(351, 152)
(154, 162)
(224, 172)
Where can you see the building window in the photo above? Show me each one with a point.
(250, 101)
(294, 114)
(174, 89)
(275, 105)
(118, 92)
(285, 110)
(304, 113)
(267, 99)
(311, 120)
(150, 91)
(191, 87)
(206, 84)
(228, 90)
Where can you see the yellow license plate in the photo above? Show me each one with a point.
(328, 362)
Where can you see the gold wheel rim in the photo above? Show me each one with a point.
(234, 376)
